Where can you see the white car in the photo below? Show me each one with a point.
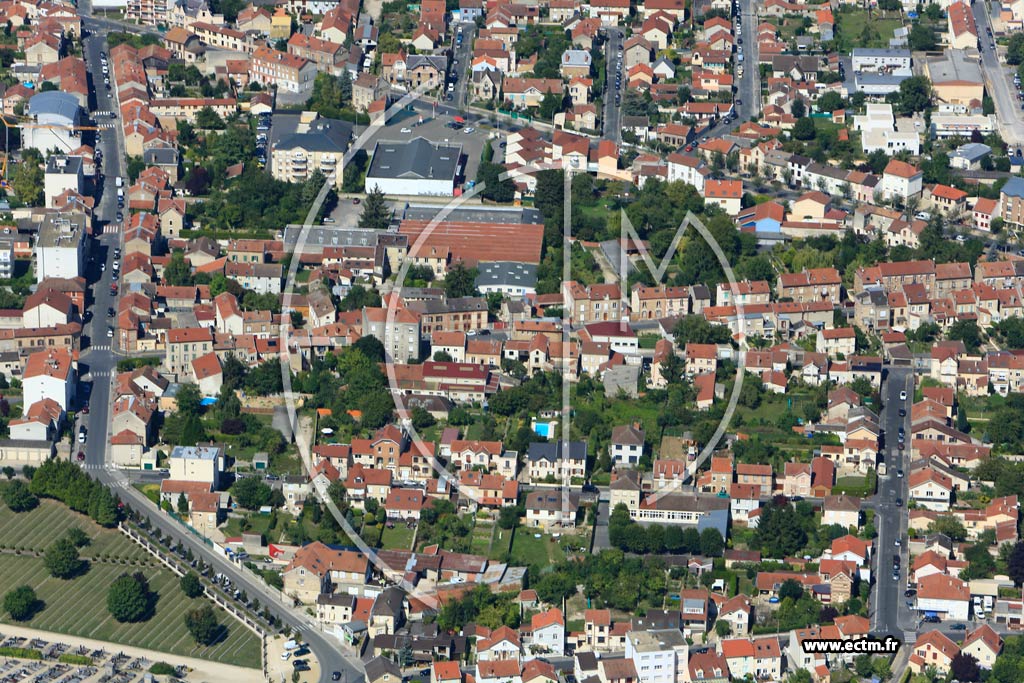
(110, 333)
(903, 396)
(407, 130)
(469, 131)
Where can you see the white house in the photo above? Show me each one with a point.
(901, 180)
(946, 596)
(49, 374)
(931, 489)
(548, 632)
(627, 444)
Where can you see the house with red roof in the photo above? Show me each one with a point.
(933, 649)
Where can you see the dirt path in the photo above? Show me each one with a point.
(201, 671)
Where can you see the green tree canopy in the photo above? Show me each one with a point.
(128, 599)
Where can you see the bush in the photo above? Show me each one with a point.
(128, 599)
(82, 660)
(20, 653)
(21, 603)
(162, 669)
(18, 497)
(190, 585)
(232, 426)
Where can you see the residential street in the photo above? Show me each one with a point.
(611, 115)
(99, 364)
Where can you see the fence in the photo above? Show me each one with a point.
(171, 564)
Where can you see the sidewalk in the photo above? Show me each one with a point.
(200, 671)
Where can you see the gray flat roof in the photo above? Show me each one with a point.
(416, 159)
(880, 52)
(506, 273)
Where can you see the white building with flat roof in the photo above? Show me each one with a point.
(659, 656)
(197, 463)
(60, 246)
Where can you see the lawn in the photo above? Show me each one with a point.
(850, 25)
(483, 533)
(529, 550)
(856, 485)
(397, 538)
(78, 607)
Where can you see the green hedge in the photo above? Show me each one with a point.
(20, 653)
(84, 660)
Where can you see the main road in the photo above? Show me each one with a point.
(997, 81)
(99, 367)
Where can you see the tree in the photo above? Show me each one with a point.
(202, 624)
(251, 493)
(376, 213)
(18, 497)
(177, 272)
(182, 504)
(549, 106)
(830, 101)
(508, 517)
(27, 181)
(791, 589)
(495, 188)
(1015, 565)
(189, 400)
(208, 119)
(964, 667)
(722, 628)
(190, 585)
(711, 543)
(968, 332)
(61, 559)
(128, 599)
(804, 128)
(914, 95)
(798, 109)
(21, 603)
(695, 329)
(779, 532)
(1015, 49)
(460, 281)
(922, 37)
(79, 538)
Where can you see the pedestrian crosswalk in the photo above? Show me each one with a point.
(101, 114)
(112, 228)
(106, 125)
(100, 347)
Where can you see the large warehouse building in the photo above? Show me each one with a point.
(415, 167)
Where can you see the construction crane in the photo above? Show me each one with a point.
(26, 122)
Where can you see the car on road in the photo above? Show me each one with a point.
(903, 412)
(899, 502)
(470, 130)
(335, 675)
(897, 542)
(81, 456)
(895, 575)
(406, 130)
(899, 473)
(958, 627)
(931, 620)
(738, 101)
(110, 333)
(103, 267)
(120, 216)
(910, 592)
(81, 435)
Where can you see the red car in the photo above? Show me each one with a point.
(81, 456)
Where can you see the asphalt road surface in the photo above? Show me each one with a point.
(612, 112)
(890, 615)
(999, 81)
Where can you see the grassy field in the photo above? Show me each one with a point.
(528, 550)
(79, 606)
(397, 538)
(850, 24)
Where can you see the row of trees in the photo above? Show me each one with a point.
(68, 483)
(627, 535)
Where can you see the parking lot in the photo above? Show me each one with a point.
(472, 137)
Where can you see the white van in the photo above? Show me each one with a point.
(120, 181)
(291, 645)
